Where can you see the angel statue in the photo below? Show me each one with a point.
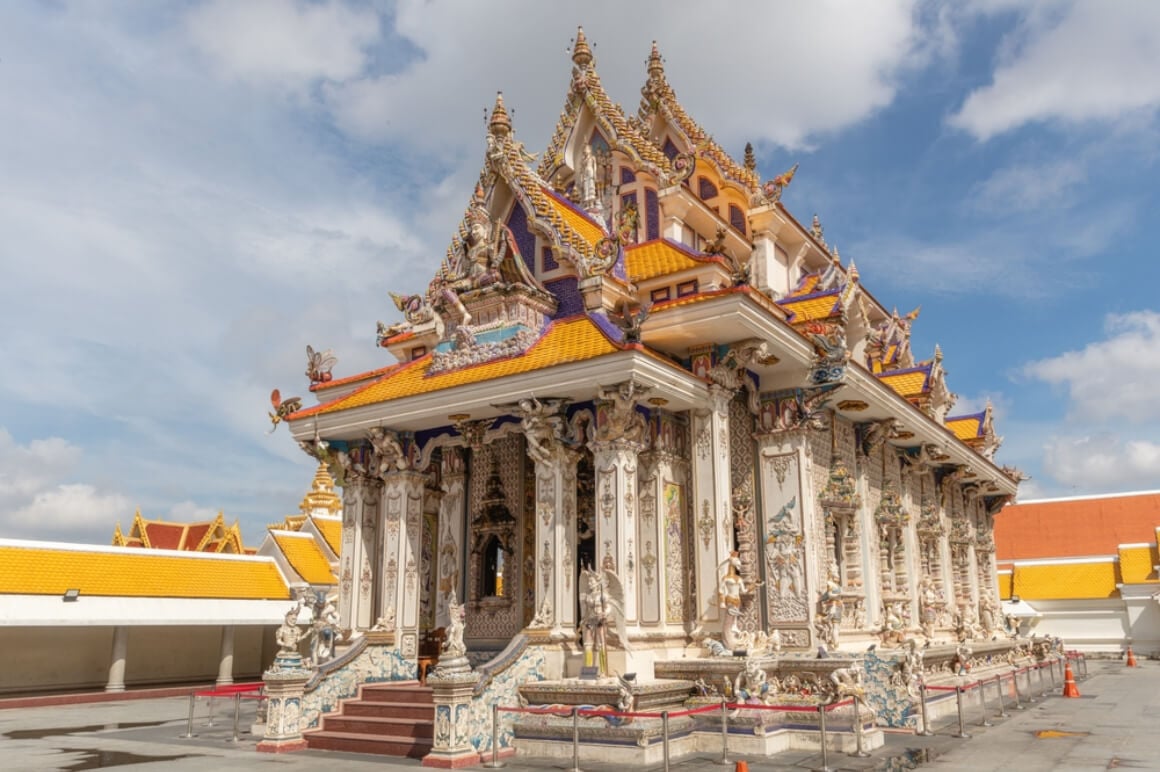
(730, 588)
(602, 605)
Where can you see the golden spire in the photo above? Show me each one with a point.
(656, 65)
(581, 53)
(500, 124)
(321, 495)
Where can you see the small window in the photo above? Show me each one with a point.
(670, 149)
(493, 559)
(737, 218)
(627, 176)
(706, 189)
(418, 351)
(686, 288)
(661, 294)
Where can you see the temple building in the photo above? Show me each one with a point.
(1084, 568)
(633, 358)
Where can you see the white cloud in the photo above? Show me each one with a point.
(36, 497)
(1071, 62)
(287, 42)
(804, 68)
(1114, 378)
(1030, 187)
(1103, 462)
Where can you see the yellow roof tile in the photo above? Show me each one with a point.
(657, 258)
(906, 384)
(1136, 564)
(966, 428)
(588, 230)
(304, 556)
(331, 530)
(811, 308)
(572, 340)
(1005, 582)
(1065, 581)
(49, 570)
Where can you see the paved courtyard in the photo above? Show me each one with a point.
(1112, 726)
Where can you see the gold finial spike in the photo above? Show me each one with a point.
(500, 124)
(938, 355)
(656, 65)
(750, 157)
(581, 53)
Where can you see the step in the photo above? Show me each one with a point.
(379, 726)
(384, 693)
(409, 710)
(360, 743)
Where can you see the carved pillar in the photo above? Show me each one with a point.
(403, 528)
(451, 743)
(450, 561)
(556, 542)
(662, 534)
(620, 437)
(712, 513)
(361, 500)
(785, 541)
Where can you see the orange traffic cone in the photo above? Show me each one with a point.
(1131, 658)
(1069, 687)
(742, 766)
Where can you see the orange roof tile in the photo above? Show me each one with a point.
(1136, 564)
(906, 383)
(40, 569)
(578, 221)
(660, 258)
(1076, 527)
(570, 340)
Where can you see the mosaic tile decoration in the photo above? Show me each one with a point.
(368, 665)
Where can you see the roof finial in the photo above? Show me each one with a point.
(750, 157)
(500, 124)
(581, 53)
(938, 355)
(817, 231)
(656, 65)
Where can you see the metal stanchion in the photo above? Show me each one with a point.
(983, 703)
(665, 736)
(495, 763)
(1042, 686)
(575, 740)
(209, 721)
(858, 751)
(237, 716)
(1083, 662)
(1051, 672)
(1015, 681)
(822, 730)
(724, 760)
(189, 725)
(927, 731)
(962, 726)
(999, 686)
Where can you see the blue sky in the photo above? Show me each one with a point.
(190, 193)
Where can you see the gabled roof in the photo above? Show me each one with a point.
(304, 556)
(1075, 527)
(202, 536)
(587, 90)
(43, 568)
(910, 381)
(658, 96)
(566, 340)
(967, 427)
(662, 257)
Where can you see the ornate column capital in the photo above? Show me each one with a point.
(618, 424)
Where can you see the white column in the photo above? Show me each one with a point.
(712, 514)
(556, 541)
(402, 524)
(361, 500)
(452, 512)
(226, 657)
(116, 681)
(616, 501)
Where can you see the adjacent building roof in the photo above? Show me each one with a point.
(304, 556)
(45, 568)
(1076, 527)
(203, 536)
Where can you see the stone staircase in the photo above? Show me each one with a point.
(388, 719)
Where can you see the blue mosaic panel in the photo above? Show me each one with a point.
(548, 259)
(627, 176)
(652, 210)
(525, 240)
(567, 292)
